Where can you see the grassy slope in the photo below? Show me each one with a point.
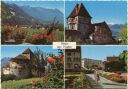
(18, 84)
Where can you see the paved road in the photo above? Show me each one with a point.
(104, 83)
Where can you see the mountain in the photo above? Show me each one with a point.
(115, 28)
(43, 14)
(4, 61)
(11, 13)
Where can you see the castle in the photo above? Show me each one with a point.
(81, 30)
(21, 65)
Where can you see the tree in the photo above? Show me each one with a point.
(123, 34)
(41, 61)
(123, 59)
(53, 26)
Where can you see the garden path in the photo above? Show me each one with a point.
(104, 83)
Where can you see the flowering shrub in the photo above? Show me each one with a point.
(115, 77)
(33, 83)
(6, 32)
(51, 60)
(125, 78)
(53, 77)
(30, 35)
(44, 38)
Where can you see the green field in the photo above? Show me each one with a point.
(18, 84)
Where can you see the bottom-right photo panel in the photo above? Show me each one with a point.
(96, 67)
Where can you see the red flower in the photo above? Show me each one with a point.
(51, 60)
(62, 59)
(35, 36)
(43, 79)
(33, 83)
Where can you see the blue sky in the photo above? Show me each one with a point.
(101, 52)
(113, 12)
(12, 51)
(45, 4)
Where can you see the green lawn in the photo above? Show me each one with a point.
(18, 84)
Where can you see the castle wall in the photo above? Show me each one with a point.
(19, 69)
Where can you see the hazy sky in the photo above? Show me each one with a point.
(101, 52)
(113, 12)
(12, 51)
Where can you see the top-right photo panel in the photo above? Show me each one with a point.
(96, 22)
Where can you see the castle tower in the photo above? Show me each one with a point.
(28, 53)
(79, 19)
(73, 59)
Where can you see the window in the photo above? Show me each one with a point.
(15, 67)
(76, 66)
(69, 54)
(69, 65)
(69, 59)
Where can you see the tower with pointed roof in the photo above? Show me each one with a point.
(79, 19)
(22, 64)
(28, 53)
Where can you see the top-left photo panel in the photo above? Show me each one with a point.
(32, 22)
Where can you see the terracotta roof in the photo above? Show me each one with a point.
(79, 10)
(20, 57)
(6, 66)
(114, 58)
(27, 51)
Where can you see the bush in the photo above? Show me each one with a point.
(114, 77)
(19, 33)
(7, 77)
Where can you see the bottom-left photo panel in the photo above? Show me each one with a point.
(27, 67)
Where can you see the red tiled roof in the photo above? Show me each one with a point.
(79, 10)
(6, 66)
(27, 51)
(20, 57)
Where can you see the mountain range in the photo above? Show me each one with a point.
(4, 61)
(27, 15)
(43, 14)
(115, 28)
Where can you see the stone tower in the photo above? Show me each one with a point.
(73, 59)
(80, 20)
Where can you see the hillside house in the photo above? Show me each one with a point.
(112, 63)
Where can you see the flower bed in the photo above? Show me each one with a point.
(115, 77)
(30, 35)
